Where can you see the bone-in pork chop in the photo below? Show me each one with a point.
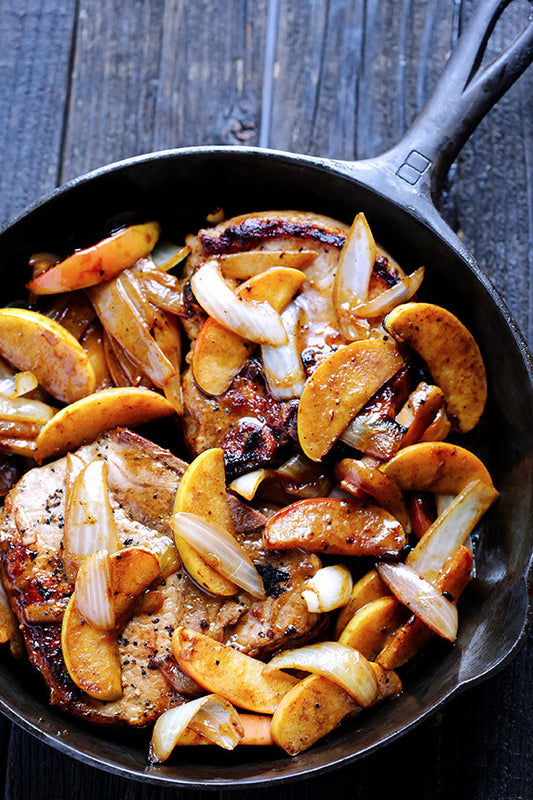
(142, 480)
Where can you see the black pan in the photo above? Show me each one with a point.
(397, 192)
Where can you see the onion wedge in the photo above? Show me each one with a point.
(22, 411)
(89, 522)
(219, 549)
(352, 278)
(451, 529)
(94, 593)
(426, 602)
(257, 322)
(123, 321)
(247, 485)
(342, 665)
(166, 255)
(401, 292)
(329, 588)
(283, 366)
(211, 716)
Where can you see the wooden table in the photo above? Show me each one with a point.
(88, 82)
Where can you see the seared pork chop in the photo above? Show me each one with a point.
(142, 480)
(212, 422)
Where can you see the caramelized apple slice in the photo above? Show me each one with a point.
(438, 467)
(34, 343)
(86, 419)
(202, 491)
(219, 354)
(316, 705)
(336, 526)
(367, 589)
(338, 390)
(362, 480)
(451, 354)
(227, 672)
(132, 571)
(92, 655)
(245, 265)
(98, 263)
(370, 628)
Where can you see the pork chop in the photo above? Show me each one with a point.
(142, 480)
(213, 422)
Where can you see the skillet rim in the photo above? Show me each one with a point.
(420, 208)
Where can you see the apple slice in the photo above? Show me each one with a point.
(367, 589)
(338, 390)
(35, 343)
(245, 265)
(92, 342)
(316, 705)
(132, 570)
(451, 354)
(91, 655)
(336, 526)
(202, 491)
(438, 467)
(219, 354)
(370, 628)
(410, 637)
(100, 262)
(86, 419)
(222, 670)
(363, 480)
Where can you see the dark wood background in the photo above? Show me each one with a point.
(86, 82)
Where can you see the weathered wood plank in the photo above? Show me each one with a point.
(163, 74)
(35, 39)
(350, 76)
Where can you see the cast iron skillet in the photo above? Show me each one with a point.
(397, 192)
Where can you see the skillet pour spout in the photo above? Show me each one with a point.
(397, 191)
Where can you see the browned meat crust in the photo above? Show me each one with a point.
(211, 422)
(142, 480)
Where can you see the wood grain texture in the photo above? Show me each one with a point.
(161, 74)
(35, 52)
(348, 77)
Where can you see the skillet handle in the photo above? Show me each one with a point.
(463, 95)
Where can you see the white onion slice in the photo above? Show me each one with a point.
(297, 468)
(74, 465)
(212, 716)
(219, 550)
(374, 433)
(329, 588)
(89, 522)
(166, 255)
(252, 320)
(93, 591)
(283, 366)
(25, 410)
(342, 665)
(352, 278)
(421, 598)
(443, 501)
(163, 297)
(123, 322)
(247, 485)
(401, 292)
(450, 530)
(8, 385)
